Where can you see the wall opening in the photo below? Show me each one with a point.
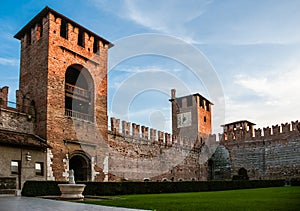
(190, 101)
(39, 33)
(28, 38)
(96, 49)
(81, 165)
(80, 40)
(243, 174)
(63, 29)
(211, 168)
(79, 93)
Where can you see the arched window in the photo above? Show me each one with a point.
(79, 93)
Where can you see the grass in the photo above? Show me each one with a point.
(282, 198)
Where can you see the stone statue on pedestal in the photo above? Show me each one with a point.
(71, 177)
(105, 169)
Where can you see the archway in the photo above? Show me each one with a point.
(81, 165)
(210, 165)
(243, 174)
(79, 93)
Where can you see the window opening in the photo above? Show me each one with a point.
(179, 102)
(28, 39)
(96, 49)
(190, 101)
(63, 29)
(39, 168)
(39, 31)
(201, 102)
(207, 106)
(15, 167)
(80, 40)
(79, 100)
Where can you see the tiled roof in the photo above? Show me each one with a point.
(14, 138)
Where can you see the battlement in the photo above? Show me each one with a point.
(147, 135)
(271, 132)
(23, 105)
(49, 19)
(3, 96)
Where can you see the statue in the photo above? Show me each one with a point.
(71, 177)
(105, 169)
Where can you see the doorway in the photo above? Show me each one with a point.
(243, 174)
(81, 165)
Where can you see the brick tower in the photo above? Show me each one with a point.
(64, 76)
(191, 116)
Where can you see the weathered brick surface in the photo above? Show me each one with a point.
(11, 119)
(200, 111)
(137, 156)
(272, 155)
(3, 97)
(134, 152)
(44, 61)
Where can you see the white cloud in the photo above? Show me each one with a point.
(282, 86)
(278, 96)
(10, 62)
(146, 68)
(170, 17)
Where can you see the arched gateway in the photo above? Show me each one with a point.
(81, 164)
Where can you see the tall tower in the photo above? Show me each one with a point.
(64, 76)
(191, 116)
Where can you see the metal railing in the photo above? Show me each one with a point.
(78, 115)
(77, 90)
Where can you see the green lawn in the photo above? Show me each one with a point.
(282, 198)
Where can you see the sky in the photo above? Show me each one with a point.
(242, 55)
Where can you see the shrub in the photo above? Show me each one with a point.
(295, 182)
(40, 188)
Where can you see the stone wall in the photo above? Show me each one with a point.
(86, 136)
(219, 165)
(269, 153)
(8, 185)
(137, 152)
(46, 54)
(3, 96)
(12, 119)
(8, 154)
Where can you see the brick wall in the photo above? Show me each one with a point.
(136, 153)
(272, 155)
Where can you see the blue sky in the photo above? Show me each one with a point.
(253, 47)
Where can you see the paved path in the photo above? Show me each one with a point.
(13, 203)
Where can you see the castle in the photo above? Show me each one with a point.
(60, 122)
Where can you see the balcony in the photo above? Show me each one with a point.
(78, 115)
(77, 92)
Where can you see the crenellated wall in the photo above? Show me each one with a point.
(139, 152)
(270, 132)
(144, 134)
(3, 96)
(269, 153)
(51, 44)
(19, 119)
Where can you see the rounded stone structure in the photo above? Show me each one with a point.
(71, 191)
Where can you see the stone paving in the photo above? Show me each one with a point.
(13, 203)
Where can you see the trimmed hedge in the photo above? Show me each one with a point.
(42, 188)
(295, 182)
